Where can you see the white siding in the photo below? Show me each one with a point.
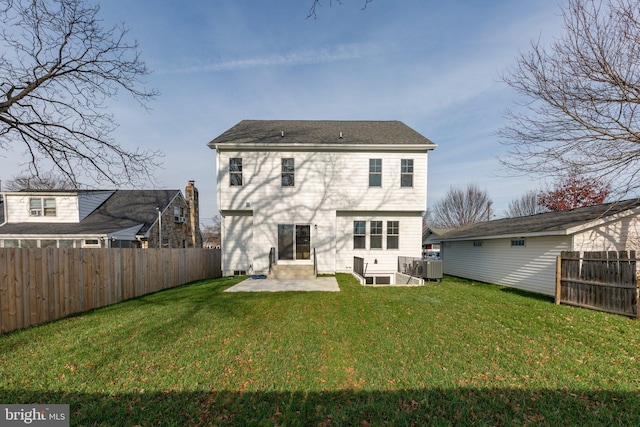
(322, 226)
(531, 268)
(237, 248)
(335, 181)
(325, 182)
(620, 235)
(410, 242)
(18, 208)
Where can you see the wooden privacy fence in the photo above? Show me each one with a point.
(39, 285)
(604, 281)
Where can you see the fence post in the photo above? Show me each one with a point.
(637, 298)
(558, 277)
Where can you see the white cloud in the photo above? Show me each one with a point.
(345, 52)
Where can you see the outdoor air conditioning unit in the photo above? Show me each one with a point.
(432, 269)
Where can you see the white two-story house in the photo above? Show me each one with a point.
(336, 189)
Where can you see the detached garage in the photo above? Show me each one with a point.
(521, 252)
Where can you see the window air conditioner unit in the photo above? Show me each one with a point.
(180, 219)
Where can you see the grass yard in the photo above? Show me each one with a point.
(452, 353)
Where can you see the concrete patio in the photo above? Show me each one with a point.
(320, 284)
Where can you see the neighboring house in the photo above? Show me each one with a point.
(100, 218)
(339, 188)
(431, 242)
(521, 252)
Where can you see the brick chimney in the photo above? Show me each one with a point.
(191, 195)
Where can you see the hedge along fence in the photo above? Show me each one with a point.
(39, 285)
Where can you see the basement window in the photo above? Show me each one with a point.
(377, 280)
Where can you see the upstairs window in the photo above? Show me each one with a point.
(235, 172)
(178, 214)
(42, 206)
(288, 173)
(375, 172)
(393, 231)
(406, 173)
(376, 234)
(359, 234)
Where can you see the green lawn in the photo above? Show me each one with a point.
(447, 353)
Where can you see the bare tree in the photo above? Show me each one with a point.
(58, 67)
(461, 207)
(581, 97)
(527, 204)
(212, 233)
(316, 3)
(45, 181)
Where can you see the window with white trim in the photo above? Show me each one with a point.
(376, 235)
(288, 172)
(42, 206)
(235, 172)
(406, 173)
(359, 234)
(178, 214)
(393, 232)
(375, 172)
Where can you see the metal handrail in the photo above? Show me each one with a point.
(272, 258)
(315, 263)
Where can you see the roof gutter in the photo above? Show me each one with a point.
(507, 236)
(263, 146)
(566, 232)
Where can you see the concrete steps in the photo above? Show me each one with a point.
(285, 272)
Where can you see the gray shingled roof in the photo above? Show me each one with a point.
(124, 209)
(321, 132)
(550, 223)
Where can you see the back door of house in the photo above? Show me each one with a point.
(294, 242)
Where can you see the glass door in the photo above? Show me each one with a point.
(303, 242)
(285, 241)
(294, 242)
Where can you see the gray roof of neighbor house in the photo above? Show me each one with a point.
(549, 223)
(124, 209)
(432, 235)
(331, 132)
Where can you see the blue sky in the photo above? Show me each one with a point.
(431, 64)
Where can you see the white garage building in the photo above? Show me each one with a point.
(521, 252)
